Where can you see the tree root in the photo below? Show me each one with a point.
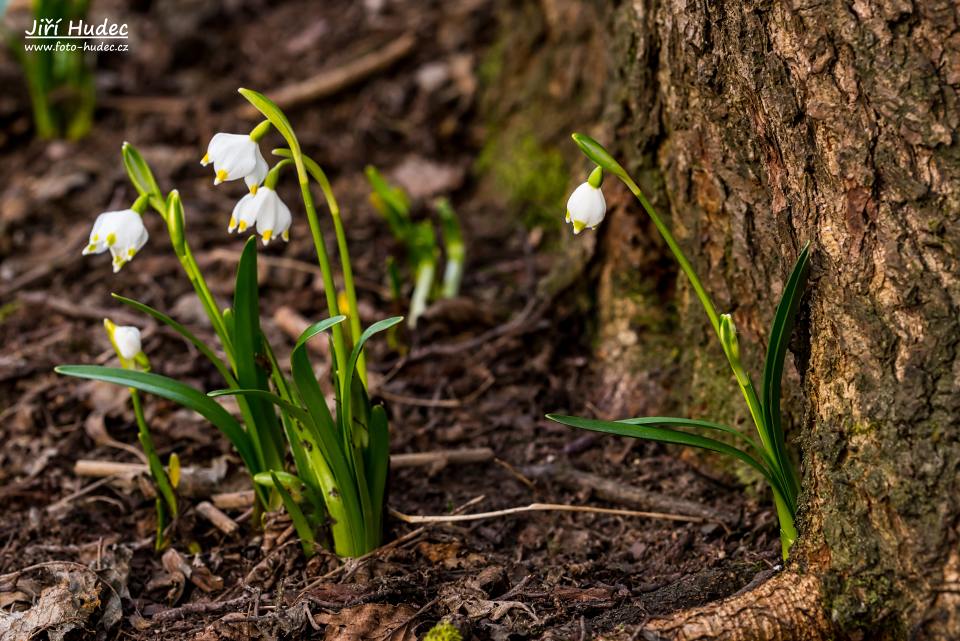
(785, 608)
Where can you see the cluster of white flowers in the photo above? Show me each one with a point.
(234, 156)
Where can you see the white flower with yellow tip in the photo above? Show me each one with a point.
(122, 232)
(586, 206)
(236, 156)
(266, 210)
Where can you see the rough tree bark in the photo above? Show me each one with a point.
(770, 124)
(756, 126)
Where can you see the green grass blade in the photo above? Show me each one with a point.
(178, 393)
(780, 332)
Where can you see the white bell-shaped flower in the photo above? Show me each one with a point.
(127, 340)
(265, 209)
(122, 232)
(274, 217)
(586, 207)
(236, 156)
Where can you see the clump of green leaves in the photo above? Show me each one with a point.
(419, 242)
(341, 457)
(60, 80)
(769, 456)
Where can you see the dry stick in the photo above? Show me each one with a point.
(205, 607)
(616, 491)
(284, 262)
(220, 520)
(200, 479)
(542, 507)
(329, 81)
(401, 399)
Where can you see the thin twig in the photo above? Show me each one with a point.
(330, 81)
(542, 507)
(409, 536)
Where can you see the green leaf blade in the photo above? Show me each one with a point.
(177, 392)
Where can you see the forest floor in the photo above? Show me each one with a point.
(479, 372)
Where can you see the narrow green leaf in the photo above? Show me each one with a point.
(306, 383)
(374, 329)
(247, 344)
(177, 392)
(296, 412)
(780, 332)
(290, 482)
(665, 435)
(184, 332)
(690, 422)
(377, 459)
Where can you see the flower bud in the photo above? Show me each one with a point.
(125, 340)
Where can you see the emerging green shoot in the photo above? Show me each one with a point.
(419, 243)
(60, 80)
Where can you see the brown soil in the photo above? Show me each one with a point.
(544, 575)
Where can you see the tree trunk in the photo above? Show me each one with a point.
(755, 127)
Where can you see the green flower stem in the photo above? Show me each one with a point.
(329, 289)
(353, 314)
(746, 385)
(164, 488)
(677, 252)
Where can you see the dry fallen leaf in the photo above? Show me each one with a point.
(379, 621)
(62, 607)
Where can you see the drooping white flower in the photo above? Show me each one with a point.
(244, 214)
(586, 207)
(127, 340)
(122, 232)
(266, 210)
(236, 156)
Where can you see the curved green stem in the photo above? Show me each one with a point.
(677, 252)
(353, 314)
(329, 289)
